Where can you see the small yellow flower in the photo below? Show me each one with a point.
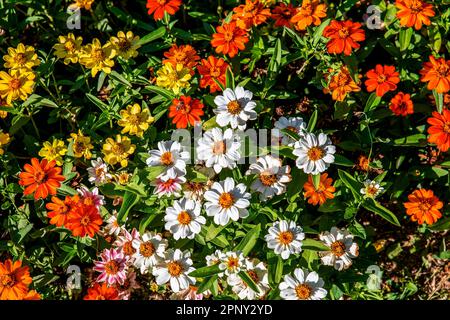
(126, 44)
(22, 57)
(16, 85)
(123, 177)
(118, 151)
(3, 103)
(84, 4)
(134, 121)
(68, 48)
(96, 57)
(54, 150)
(81, 146)
(173, 78)
(4, 140)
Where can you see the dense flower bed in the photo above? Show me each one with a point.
(255, 149)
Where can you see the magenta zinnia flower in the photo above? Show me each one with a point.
(112, 267)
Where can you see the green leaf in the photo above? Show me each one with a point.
(207, 284)
(249, 241)
(311, 244)
(275, 61)
(350, 183)
(405, 38)
(66, 190)
(383, 212)
(249, 281)
(206, 271)
(439, 97)
(99, 103)
(229, 76)
(412, 140)
(441, 225)
(340, 160)
(129, 201)
(152, 36)
(312, 121)
(168, 95)
(319, 31)
(316, 180)
(372, 102)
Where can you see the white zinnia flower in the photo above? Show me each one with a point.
(235, 108)
(342, 248)
(303, 285)
(232, 262)
(371, 189)
(172, 156)
(285, 237)
(272, 176)
(219, 149)
(175, 269)
(113, 228)
(184, 219)
(168, 185)
(295, 124)
(315, 153)
(213, 259)
(150, 250)
(258, 272)
(226, 201)
(98, 172)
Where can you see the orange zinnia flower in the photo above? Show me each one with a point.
(60, 209)
(440, 129)
(344, 36)
(402, 105)
(323, 192)
(252, 13)
(14, 280)
(41, 178)
(32, 295)
(102, 292)
(184, 55)
(437, 74)
(210, 70)
(309, 13)
(341, 84)
(185, 111)
(84, 220)
(229, 39)
(282, 14)
(159, 7)
(414, 13)
(382, 79)
(423, 206)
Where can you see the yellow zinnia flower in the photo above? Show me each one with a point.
(86, 4)
(81, 146)
(134, 121)
(22, 57)
(118, 151)
(173, 78)
(123, 177)
(68, 48)
(4, 140)
(97, 57)
(16, 85)
(53, 151)
(126, 44)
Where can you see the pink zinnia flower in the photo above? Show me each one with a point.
(169, 185)
(91, 197)
(112, 267)
(124, 242)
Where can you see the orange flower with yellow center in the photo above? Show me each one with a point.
(341, 84)
(414, 13)
(310, 13)
(423, 206)
(440, 129)
(14, 280)
(250, 14)
(437, 73)
(323, 191)
(229, 39)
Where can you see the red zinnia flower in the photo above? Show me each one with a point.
(41, 178)
(184, 54)
(382, 79)
(60, 209)
(252, 13)
(159, 7)
(414, 13)
(282, 15)
(437, 74)
(229, 39)
(84, 220)
(210, 70)
(440, 129)
(423, 206)
(185, 111)
(402, 105)
(344, 36)
(102, 292)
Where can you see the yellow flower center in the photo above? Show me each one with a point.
(98, 55)
(226, 200)
(381, 78)
(15, 84)
(446, 127)
(111, 267)
(338, 248)
(167, 158)
(128, 248)
(220, 147)
(124, 44)
(443, 70)
(85, 221)
(371, 190)
(315, 153)
(232, 263)
(183, 108)
(268, 179)
(303, 291)
(343, 33)
(214, 72)
(7, 280)
(20, 59)
(147, 249)
(234, 107)
(184, 218)
(69, 46)
(286, 237)
(118, 149)
(39, 176)
(174, 268)
(228, 36)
